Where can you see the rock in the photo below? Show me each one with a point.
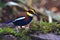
(9, 37)
(49, 36)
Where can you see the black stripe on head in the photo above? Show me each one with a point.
(31, 12)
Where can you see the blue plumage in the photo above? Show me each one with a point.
(22, 22)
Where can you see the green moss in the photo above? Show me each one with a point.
(45, 27)
(1, 4)
(41, 27)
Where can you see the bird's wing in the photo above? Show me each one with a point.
(19, 19)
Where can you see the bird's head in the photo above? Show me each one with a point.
(31, 12)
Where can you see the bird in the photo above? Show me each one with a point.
(23, 18)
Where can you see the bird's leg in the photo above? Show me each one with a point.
(23, 26)
(18, 28)
(27, 26)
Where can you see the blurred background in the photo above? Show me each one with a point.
(47, 19)
(38, 5)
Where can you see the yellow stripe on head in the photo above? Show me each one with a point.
(29, 14)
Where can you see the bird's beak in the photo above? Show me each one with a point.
(34, 14)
